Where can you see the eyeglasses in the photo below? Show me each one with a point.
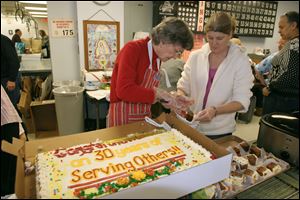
(179, 52)
(174, 50)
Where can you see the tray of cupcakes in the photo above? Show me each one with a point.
(250, 166)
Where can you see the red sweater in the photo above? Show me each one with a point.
(128, 73)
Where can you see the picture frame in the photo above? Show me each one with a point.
(101, 44)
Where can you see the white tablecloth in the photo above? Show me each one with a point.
(99, 94)
(96, 76)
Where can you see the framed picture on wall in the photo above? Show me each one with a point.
(101, 44)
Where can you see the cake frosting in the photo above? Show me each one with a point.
(97, 169)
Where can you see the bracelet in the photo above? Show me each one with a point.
(215, 109)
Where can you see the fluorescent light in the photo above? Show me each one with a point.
(38, 13)
(35, 8)
(40, 16)
(34, 2)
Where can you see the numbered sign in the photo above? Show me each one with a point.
(63, 28)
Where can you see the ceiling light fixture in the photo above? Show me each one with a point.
(40, 16)
(35, 8)
(34, 2)
(38, 13)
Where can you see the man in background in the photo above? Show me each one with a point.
(16, 37)
(261, 71)
(10, 64)
(265, 66)
(282, 92)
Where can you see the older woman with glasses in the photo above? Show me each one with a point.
(218, 77)
(136, 74)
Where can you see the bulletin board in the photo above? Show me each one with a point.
(185, 10)
(254, 18)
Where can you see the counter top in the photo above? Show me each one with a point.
(32, 66)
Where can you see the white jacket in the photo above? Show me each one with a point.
(232, 82)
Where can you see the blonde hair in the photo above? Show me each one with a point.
(236, 41)
(221, 22)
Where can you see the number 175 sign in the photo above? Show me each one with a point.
(62, 28)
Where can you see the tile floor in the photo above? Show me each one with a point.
(247, 132)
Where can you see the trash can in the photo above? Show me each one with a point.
(57, 84)
(69, 109)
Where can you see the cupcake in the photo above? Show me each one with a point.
(237, 179)
(237, 151)
(275, 168)
(242, 163)
(255, 150)
(245, 146)
(263, 171)
(252, 158)
(251, 176)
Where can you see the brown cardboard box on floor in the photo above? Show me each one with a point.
(24, 104)
(44, 118)
(173, 186)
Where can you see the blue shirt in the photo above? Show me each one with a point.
(265, 65)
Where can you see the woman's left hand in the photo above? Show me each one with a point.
(205, 115)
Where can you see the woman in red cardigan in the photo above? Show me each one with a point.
(136, 72)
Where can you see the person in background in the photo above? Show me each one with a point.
(136, 74)
(236, 40)
(45, 44)
(282, 92)
(170, 73)
(264, 67)
(260, 72)
(10, 64)
(10, 127)
(218, 77)
(16, 37)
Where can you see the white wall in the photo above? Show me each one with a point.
(64, 51)
(86, 9)
(138, 17)
(270, 43)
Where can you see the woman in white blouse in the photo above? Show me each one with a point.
(218, 77)
(10, 127)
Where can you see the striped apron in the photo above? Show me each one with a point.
(121, 113)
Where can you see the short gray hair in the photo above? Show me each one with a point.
(173, 30)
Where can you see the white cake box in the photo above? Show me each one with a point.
(173, 186)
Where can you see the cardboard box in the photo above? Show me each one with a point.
(44, 118)
(28, 124)
(173, 186)
(24, 103)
